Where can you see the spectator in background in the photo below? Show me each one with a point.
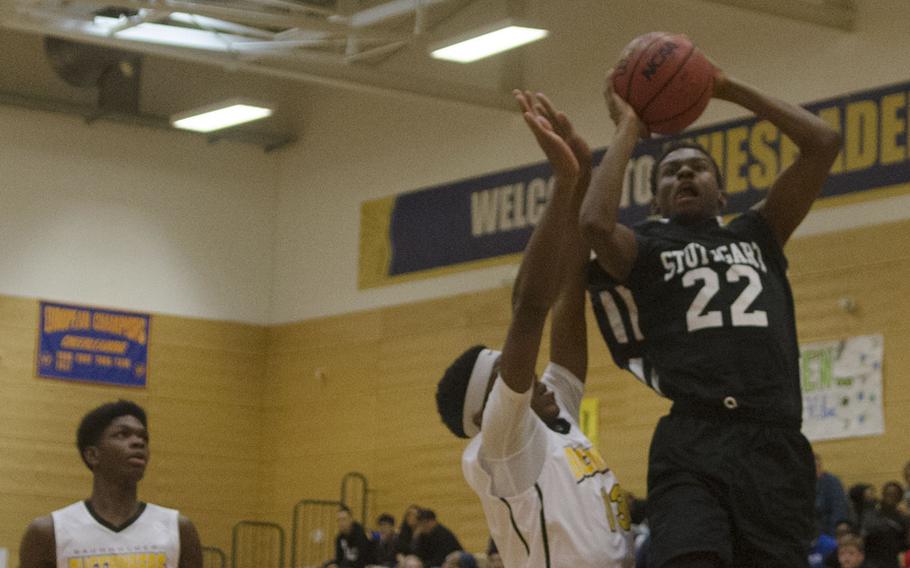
(406, 532)
(385, 548)
(842, 529)
(862, 503)
(433, 541)
(886, 528)
(411, 561)
(822, 550)
(851, 552)
(830, 500)
(352, 547)
(460, 559)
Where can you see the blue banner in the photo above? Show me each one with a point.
(78, 343)
(487, 219)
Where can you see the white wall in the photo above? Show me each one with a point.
(134, 218)
(359, 147)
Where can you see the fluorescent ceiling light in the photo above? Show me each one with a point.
(168, 35)
(220, 115)
(476, 47)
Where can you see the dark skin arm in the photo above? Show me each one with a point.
(613, 242)
(796, 188)
(190, 547)
(539, 277)
(38, 548)
(568, 329)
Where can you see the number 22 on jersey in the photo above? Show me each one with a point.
(740, 316)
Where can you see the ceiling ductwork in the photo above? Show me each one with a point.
(115, 73)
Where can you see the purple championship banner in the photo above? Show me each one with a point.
(487, 220)
(85, 344)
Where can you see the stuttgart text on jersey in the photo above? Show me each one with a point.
(694, 255)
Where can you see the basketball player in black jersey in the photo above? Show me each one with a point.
(112, 527)
(702, 313)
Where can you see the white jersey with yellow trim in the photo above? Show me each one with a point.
(151, 539)
(566, 508)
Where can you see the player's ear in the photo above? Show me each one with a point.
(91, 456)
(722, 200)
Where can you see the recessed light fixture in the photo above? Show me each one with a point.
(220, 115)
(487, 41)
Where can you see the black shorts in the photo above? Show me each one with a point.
(742, 489)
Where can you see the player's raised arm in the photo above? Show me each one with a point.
(792, 194)
(568, 331)
(540, 274)
(38, 548)
(614, 243)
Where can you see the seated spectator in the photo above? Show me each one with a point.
(411, 561)
(433, 541)
(830, 500)
(851, 552)
(460, 559)
(352, 547)
(845, 527)
(823, 548)
(886, 528)
(385, 548)
(842, 529)
(862, 503)
(406, 532)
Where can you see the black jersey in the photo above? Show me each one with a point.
(706, 315)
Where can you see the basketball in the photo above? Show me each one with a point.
(666, 79)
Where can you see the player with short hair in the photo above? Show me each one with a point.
(702, 312)
(112, 527)
(548, 496)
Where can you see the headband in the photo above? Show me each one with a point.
(477, 389)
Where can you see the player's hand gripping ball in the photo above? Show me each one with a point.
(666, 80)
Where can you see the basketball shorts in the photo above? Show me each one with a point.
(744, 489)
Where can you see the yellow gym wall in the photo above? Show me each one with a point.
(203, 402)
(247, 420)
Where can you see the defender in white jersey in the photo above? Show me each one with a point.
(549, 498)
(112, 528)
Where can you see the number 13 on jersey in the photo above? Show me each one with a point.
(617, 508)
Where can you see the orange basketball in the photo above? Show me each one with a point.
(666, 79)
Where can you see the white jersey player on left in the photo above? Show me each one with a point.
(112, 528)
(548, 496)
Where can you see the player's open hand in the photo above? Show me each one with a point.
(563, 126)
(549, 130)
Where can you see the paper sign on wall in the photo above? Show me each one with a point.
(842, 388)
